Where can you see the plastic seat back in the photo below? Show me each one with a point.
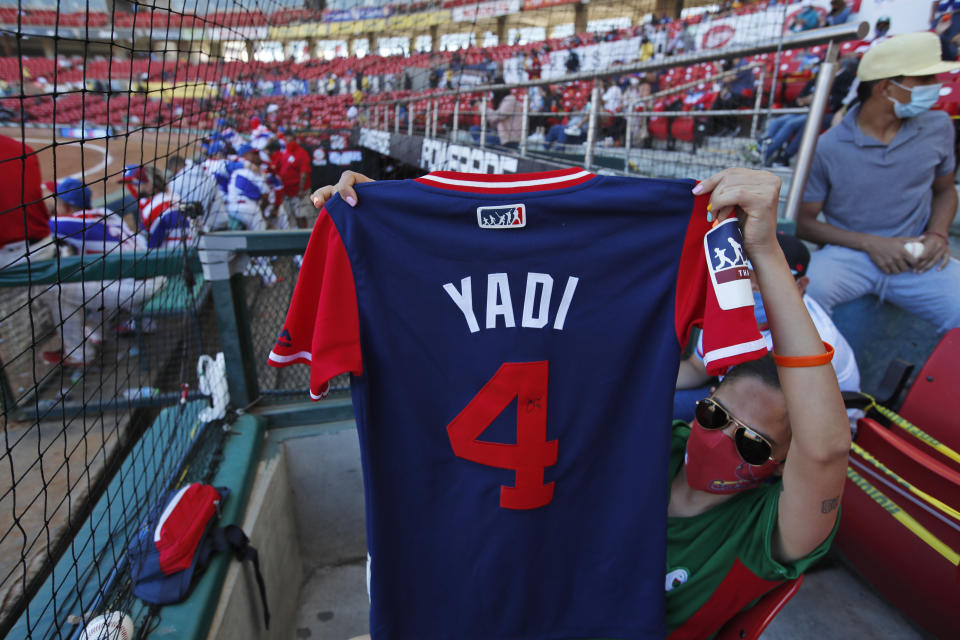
(749, 624)
(933, 402)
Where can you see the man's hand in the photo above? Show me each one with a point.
(936, 252)
(344, 187)
(890, 254)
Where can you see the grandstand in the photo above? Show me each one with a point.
(123, 96)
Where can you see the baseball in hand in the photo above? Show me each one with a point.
(914, 248)
(114, 625)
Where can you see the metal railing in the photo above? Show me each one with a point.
(829, 36)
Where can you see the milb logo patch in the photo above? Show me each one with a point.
(729, 271)
(507, 216)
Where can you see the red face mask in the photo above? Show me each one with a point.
(713, 465)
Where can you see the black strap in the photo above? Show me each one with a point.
(232, 538)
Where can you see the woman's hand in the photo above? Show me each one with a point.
(344, 187)
(756, 194)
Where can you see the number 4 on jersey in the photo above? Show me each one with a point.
(527, 382)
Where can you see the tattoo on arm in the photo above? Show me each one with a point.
(829, 505)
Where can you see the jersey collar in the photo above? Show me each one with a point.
(505, 184)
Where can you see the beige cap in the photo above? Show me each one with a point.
(910, 54)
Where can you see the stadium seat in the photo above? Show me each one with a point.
(749, 624)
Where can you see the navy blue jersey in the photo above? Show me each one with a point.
(514, 347)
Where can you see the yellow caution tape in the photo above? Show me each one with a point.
(904, 518)
(916, 432)
(929, 499)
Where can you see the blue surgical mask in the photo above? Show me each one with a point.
(922, 97)
(758, 311)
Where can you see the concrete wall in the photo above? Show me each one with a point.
(270, 523)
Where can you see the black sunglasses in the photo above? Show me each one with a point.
(752, 447)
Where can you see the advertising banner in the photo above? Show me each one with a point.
(470, 13)
(441, 155)
(357, 13)
(529, 5)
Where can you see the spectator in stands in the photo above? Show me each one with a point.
(646, 49)
(633, 98)
(692, 379)
(839, 13)
(736, 92)
(682, 42)
(807, 19)
(612, 95)
(881, 30)
(84, 307)
(783, 136)
(506, 115)
(572, 63)
(947, 28)
(190, 183)
(573, 132)
(24, 234)
(532, 65)
(883, 178)
(612, 126)
(160, 217)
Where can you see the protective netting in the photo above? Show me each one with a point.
(129, 130)
(113, 120)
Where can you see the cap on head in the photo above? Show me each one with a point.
(74, 193)
(796, 253)
(246, 148)
(909, 54)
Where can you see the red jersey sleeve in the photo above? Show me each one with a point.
(713, 292)
(322, 328)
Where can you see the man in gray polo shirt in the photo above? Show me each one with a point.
(883, 179)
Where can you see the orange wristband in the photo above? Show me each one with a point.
(805, 361)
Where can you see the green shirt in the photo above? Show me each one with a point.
(728, 545)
